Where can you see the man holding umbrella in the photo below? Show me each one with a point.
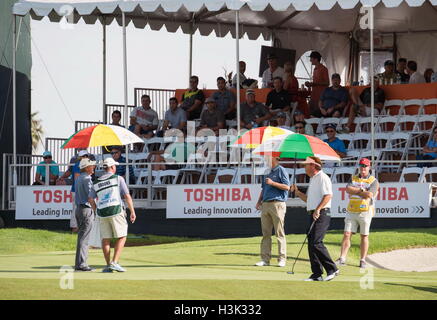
(318, 199)
(271, 202)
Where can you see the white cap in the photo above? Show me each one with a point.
(86, 163)
(109, 162)
(82, 153)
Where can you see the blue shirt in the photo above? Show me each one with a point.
(331, 97)
(54, 170)
(75, 169)
(121, 170)
(279, 175)
(431, 144)
(337, 145)
(84, 184)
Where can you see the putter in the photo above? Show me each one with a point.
(309, 231)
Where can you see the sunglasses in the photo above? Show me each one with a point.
(47, 157)
(115, 152)
(299, 128)
(363, 166)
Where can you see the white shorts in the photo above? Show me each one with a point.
(114, 227)
(355, 220)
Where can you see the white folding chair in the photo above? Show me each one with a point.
(352, 158)
(432, 171)
(360, 141)
(243, 172)
(430, 106)
(386, 124)
(339, 175)
(425, 122)
(412, 170)
(406, 123)
(166, 177)
(363, 124)
(301, 176)
(381, 140)
(326, 121)
(315, 123)
(393, 107)
(413, 107)
(224, 173)
(329, 171)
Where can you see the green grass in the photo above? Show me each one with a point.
(181, 268)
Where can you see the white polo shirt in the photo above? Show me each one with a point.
(320, 185)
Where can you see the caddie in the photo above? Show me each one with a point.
(362, 191)
(108, 191)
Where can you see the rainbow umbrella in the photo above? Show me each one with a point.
(101, 135)
(298, 146)
(255, 137)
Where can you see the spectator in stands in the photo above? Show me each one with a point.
(272, 71)
(40, 176)
(225, 99)
(361, 103)
(427, 75)
(320, 81)
(429, 151)
(334, 142)
(121, 169)
(175, 117)
(232, 81)
(212, 118)
(116, 118)
(388, 76)
(290, 82)
(278, 100)
(253, 113)
(333, 99)
(299, 117)
(281, 119)
(299, 127)
(434, 77)
(401, 70)
(192, 99)
(144, 120)
(415, 76)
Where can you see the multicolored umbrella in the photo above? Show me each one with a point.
(101, 135)
(298, 146)
(254, 137)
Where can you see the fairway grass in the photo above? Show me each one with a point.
(204, 269)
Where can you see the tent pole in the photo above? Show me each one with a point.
(126, 113)
(14, 95)
(237, 70)
(372, 89)
(190, 54)
(104, 72)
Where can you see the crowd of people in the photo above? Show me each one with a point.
(284, 107)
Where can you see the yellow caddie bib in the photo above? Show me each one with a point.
(356, 203)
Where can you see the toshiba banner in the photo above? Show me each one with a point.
(44, 203)
(394, 200)
(213, 201)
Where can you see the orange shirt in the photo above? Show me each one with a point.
(320, 75)
(293, 87)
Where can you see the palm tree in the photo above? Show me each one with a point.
(36, 130)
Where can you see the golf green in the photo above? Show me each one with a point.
(204, 269)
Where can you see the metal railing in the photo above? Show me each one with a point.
(79, 125)
(159, 99)
(110, 108)
(150, 186)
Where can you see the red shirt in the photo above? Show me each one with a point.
(320, 75)
(293, 87)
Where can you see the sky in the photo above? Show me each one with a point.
(156, 59)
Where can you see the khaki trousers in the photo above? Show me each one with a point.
(272, 216)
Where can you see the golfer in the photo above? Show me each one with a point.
(362, 191)
(318, 199)
(109, 190)
(84, 213)
(271, 202)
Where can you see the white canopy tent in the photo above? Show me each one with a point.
(299, 24)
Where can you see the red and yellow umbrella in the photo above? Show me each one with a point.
(101, 135)
(298, 146)
(254, 137)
